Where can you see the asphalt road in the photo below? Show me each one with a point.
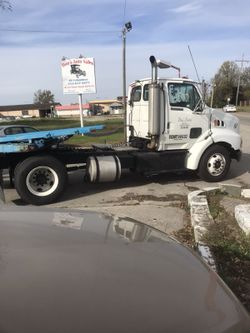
(239, 172)
(158, 200)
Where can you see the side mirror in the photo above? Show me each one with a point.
(130, 102)
(199, 106)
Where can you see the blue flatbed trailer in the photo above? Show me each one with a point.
(38, 162)
(41, 139)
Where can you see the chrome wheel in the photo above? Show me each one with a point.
(216, 164)
(42, 181)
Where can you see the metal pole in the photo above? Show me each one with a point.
(80, 109)
(124, 81)
(212, 97)
(2, 197)
(238, 85)
(178, 69)
(242, 61)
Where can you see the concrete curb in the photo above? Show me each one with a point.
(241, 212)
(242, 216)
(201, 219)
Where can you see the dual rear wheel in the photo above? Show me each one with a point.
(40, 180)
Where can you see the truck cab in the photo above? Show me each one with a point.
(181, 116)
(169, 114)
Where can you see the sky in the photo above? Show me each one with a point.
(36, 34)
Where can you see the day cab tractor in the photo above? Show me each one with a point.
(169, 119)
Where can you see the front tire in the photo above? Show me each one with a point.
(40, 180)
(214, 164)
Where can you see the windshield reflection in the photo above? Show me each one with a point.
(109, 226)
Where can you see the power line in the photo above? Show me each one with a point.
(62, 31)
(242, 61)
(194, 64)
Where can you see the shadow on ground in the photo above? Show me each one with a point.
(78, 188)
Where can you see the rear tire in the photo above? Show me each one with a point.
(40, 180)
(214, 164)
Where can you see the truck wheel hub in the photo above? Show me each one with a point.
(216, 164)
(42, 181)
(41, 178)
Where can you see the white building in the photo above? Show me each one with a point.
(72, 110)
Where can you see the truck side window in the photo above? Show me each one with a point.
(145, 92)
(136, 94)
(183, 95)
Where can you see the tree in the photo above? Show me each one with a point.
(4, 4)
(44, 97)
(225, 82)
(245, 84)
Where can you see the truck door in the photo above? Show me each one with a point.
(138, 111)
(186, 121)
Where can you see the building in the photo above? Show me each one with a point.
(116, 108)
(27, 110)
(112, 106)
(102, 106)
(72, 110)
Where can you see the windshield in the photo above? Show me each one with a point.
(183, 95)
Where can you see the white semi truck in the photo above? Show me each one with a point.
(169, 128)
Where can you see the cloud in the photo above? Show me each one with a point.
(215, 30)
(99, 22)
(25, 70)
(187, 8)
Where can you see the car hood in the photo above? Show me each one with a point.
(74, 271)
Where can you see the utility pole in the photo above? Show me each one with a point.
(127, 27)
(242, 61)
(212, 95)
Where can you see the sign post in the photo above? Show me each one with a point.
(80, 109)
(78, 76)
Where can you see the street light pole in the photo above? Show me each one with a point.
(127, 27)
(124, 81)
(212, 96)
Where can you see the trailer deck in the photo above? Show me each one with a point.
(25, 142)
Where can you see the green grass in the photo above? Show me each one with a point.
(231, 248)
(87, 140)
(243, 108)
(114, 128)
(46, 124)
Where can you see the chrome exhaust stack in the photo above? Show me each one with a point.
(154, 105)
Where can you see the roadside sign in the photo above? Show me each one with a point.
(78, 76)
